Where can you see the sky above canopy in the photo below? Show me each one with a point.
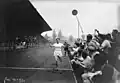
(92, 15)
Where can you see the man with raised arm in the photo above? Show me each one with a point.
(58, 51)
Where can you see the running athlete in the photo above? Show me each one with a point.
(58, 51)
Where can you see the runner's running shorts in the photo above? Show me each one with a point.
(58, 54)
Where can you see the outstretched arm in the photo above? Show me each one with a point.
(96, 31)
(51, 45)
(63, 46)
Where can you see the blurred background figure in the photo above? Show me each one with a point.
(66, 46)
(114, 35)
(83, 36)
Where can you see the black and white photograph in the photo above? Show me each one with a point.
(59, 41)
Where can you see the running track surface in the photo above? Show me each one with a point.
(34, 57)
(40, 58)
(38, 76)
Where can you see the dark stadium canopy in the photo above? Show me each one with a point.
(20, 18)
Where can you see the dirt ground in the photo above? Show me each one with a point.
(37, 58)
(38, 76)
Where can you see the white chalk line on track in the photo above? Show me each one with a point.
(62, 69)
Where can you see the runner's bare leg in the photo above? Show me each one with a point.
(56, 63)
(60, 59)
